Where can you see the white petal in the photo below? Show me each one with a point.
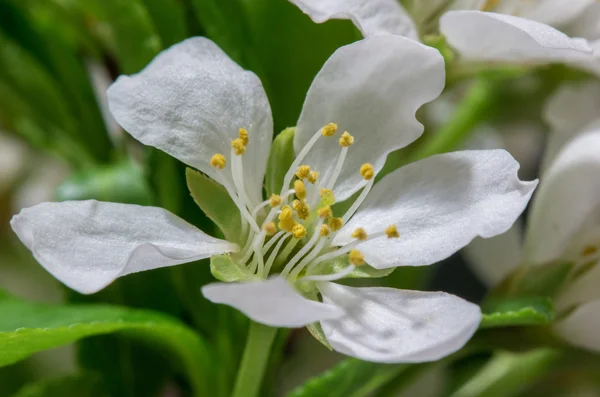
(272, 302)
(372, 89)
(581, 327)
(190, 102)
(566, 201)
(439, 205)
(494, 258)
(568, 111)
(581, 290)
(550, 12)
(591, 65)
(487, 36)
(587, 25)
(88, 244)
(371, 17)
(392, 326)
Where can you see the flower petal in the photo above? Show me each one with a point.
(581, 327)
(371, 17)
(371, 88)
(487, 36)
(494, 258)
(587, 25)
(190, 102)
(439, 205)
(550, 12)
(392, 326)
(272, 302)
(88, 244)
(567, 202)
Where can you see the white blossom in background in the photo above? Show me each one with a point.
(516, 32)
(564, 224)
(197, 105)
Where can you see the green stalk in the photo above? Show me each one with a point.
(254, 361)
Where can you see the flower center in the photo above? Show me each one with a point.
(295, 234)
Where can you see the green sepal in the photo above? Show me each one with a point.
(224, 269)
(517, 312)
(281, 158)
(88, 385)
(316, 330)
(341, 262)
(215, 202)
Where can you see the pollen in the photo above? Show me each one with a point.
(335, 224)
(366, 171)
(238, 146)
(275, 200)
(392, 232)
(312, 177)
(346, 139)
(324, 231)
(325, 212)
(303, 172)
(286, 219)
(270, 228)
(359, 234)
(356, 258)
(300, 189)
(218, 161)
(243, 135)
(298, 231)
(589, 250)
(329, 130)
(327, 196)
(301, 208)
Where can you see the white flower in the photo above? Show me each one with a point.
(564, 224)
(196, 104)
(468, 26)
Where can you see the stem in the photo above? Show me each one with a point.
(254, 360)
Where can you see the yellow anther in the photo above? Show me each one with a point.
(218, 161)
(303, 171)
(392, 232)
(312, 177)
(367, 171)
(359, 233)
(356, 258)
(589, 250)
(298, 231)
(243, 135)
(325, 212)
(300, 189)
(301, 208)
(238, 146)
(270, 228)
(286, 213)
(329, 129)
(324, 232)
(275, 200)
(346, 139)
(335, 224)
(327, 196)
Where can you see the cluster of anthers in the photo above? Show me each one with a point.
(307, 219)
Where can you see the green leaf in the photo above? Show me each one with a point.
(87, 385)
(215, 202)
(122, 182)
(350, 378)
(27, 328)
(169, 19)
(224, 269)
(317, 332)
(517, 312)
(280, 158)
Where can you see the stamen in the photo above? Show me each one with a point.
(275, 200)
(346, 139)
(270, 228)
(298, 231)
(367, 171)
(273, 255)
(300, 189)
(392, 232)
(243, 210)
(335, 224)
(243, 135)
(325, 131)
(359, 200)
(238, 146)
(237, 173)
(286, 219)
(324, 231)
(272, 241)
(218, 161)
(360, 234)
(342, 250)
(330, 277)
(288, 267)
(325, 212)
(301, 208)
(338, 168)
(303, 172)
(327, 196)
(356, 257)
(312, 177)
(308, 258)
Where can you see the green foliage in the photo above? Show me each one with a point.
(280, 158)
(27, 328)
(224, 269)
(517, 312)
(74, 385)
